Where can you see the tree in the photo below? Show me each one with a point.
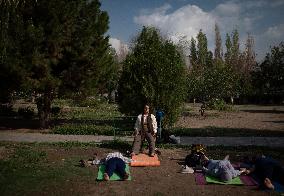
(228, 54)
(63, 49)
(202, 53)
(269, 75)
(249, 57)
(193, 53)
(153, 72)
(218, 53)
(11, 36)
(235, 51)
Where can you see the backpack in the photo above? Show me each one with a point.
(194, 158)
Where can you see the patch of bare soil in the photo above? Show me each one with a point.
(163, 180)
(246, 117)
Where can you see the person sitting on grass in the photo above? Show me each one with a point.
(266, 170)
(114, 162)
(145, 128)
(221, 169)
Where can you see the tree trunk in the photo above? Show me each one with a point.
(44, 109)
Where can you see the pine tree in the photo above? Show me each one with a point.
(61, 49)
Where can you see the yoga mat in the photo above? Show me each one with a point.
(248, 180)
(234, 181)
(200, 178)
(144, 160)
(114, 177)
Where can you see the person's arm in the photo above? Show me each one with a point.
(154, 123)
(137, 125)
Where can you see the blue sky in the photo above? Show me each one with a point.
(263, 19)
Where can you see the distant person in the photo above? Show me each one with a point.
(202, 108)
(267, 170)
(145, 128)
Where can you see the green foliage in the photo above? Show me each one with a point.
(269, 75)
(55, 48)
(219, 104)
(55, 110)
(202, 53)
(100, 112)
(28, 171)
(153, 72)
(215, 82)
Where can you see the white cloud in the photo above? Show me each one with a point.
(186, 21)
(271, 37)
(228, 9)
(235, 14)
(118, 45)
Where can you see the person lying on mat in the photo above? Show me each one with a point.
(114, 162)
(266, 169)
(145, 128)
(221, 169)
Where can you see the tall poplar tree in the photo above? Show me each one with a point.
(202, 51)
(218, 52)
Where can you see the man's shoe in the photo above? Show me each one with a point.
(152, 154)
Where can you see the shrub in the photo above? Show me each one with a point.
(6, 110)
(219, 104)
(26, 113)
(55, 110)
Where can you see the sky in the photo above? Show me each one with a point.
(263, 19)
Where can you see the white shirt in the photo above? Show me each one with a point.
(138, 127)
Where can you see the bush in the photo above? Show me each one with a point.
(6, 110)
(89, 102)
(55, 110)
(26, 113)
(219, 104)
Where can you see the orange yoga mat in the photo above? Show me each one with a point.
(144, 160)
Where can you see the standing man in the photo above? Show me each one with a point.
(145, 127)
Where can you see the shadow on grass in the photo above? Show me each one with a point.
(264, 111)
(7, 123)
(220, 131)
(119, 123)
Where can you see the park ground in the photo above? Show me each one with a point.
(53, 169)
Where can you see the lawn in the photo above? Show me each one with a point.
(53, 169)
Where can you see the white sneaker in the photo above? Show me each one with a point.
(186, 170)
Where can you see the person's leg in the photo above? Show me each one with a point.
(136, 144)
(151, 141)
(141, 150)
(228, 172)
(110, 167)
(120, 168)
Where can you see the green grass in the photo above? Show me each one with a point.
(29, 169)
